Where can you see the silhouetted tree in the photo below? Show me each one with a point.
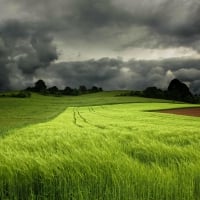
(68, 91)
(153, 92)
(179, 91)
(100, 89)
(75, 92)
(136, 93)
(29, 89)
(82, 89)
(94, 89)
(40, 86)
(53, 89)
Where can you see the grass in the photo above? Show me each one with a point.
(19, 112)
(104, 152)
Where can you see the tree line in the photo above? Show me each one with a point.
(176, 91)
(40, 87)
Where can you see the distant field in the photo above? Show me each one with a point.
(18, 112)
(104, 152)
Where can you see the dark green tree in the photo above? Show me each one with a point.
(82, 89)
(180, 91)
(68, 91)
(40, 86)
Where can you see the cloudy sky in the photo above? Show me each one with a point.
(115, 44)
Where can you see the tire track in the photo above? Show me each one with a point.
(89, 123)
(91, 110)
(75, 119)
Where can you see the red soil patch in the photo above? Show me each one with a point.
(184, 111)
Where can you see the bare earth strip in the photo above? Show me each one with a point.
(184, 111)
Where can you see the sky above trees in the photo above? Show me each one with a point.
(115, 44)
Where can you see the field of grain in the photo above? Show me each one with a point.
(104, 152)
(19, 112)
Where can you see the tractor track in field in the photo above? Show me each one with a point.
(75, 119)
(91, 110)
(87, 122)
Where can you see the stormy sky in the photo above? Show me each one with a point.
(114, 44)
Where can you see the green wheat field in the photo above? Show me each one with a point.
(97, 147)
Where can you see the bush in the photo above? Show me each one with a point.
(21, 94)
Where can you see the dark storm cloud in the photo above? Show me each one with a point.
(178, 19)
(91, 72)
(168, 23)
(23, 49)
(27, 47)
(116, 74)
(164, 23)
(4, 79)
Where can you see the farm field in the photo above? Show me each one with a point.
(86, 149)
(19, 112)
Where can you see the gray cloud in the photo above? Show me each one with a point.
(4, 78)
(116, 74)
(23, 50)
(28, 50)
(167, 22)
